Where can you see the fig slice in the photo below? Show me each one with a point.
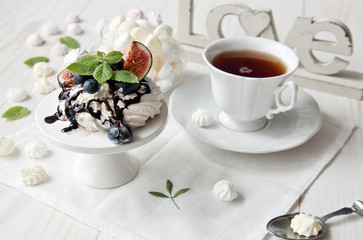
(138, 60)
(65, 79)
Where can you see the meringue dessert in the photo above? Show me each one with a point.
(33, 175)
(225, 191)
(116, 96)
(305, 225)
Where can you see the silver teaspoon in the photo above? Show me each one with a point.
(280, 226)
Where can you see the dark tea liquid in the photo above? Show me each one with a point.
(249, 63)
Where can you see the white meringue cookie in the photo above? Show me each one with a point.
(72, 18)
(224, 190)
(164, 32)
(127, 26)
(17, 94)
(50, 28)
(202, 118)
(7, 146)
(33, 175)
(154, 19)
(35, 40)
(154, 44)
(305, 225)
(74, 55)
(143, 23)
(42, 69)
(36, 149)
(139, 34)
(122, 42)
(59, 49)
(135, 14)
(116, 22)
(43, 86)
(74, 29)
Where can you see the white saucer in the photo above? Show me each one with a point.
(285, 131)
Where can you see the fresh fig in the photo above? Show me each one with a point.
(65, 79)
(138, 60)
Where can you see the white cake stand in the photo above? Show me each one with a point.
(101, 163)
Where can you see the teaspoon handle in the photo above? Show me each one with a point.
(343, 211)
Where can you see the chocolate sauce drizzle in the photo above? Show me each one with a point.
(71, 109)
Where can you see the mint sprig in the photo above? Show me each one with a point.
(99, 67)
(169, 188)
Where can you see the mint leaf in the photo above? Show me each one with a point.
(31, 61)
(158, 194)
(102, 73)
(90, 60)
(81, 68)
(15, 113)
(169, 186)
(113, 57)
(181, 191)
(69, 42)
(100, 54)
(124, 76)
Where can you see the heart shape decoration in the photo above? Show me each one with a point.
(254, 22)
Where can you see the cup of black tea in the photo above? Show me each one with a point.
(248, 77)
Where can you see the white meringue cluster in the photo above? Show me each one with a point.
(33, 175)
(305, 225)
(168, 57)
(36, 149)
(225, 191)
(7, 146)
(202, 118)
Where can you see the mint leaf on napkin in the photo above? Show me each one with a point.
(169, 188)
(69, 42)
(31, 61)
(15, 113)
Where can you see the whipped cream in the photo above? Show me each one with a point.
(72, 18)
(35, 40)
(202, 118)
(36, 149)
(305, 225)
(43, 86)
(59, 49)
(74, 55)
(50, 28)
(74, 29)
(42, 69)
(225, 191)
(7, 146)
(17, 94)
(33, 175)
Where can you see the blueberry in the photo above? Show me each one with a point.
(127, 88)
(118, 66)
(80, 79)
(120, 133)
(90, 86)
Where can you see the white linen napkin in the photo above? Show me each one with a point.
(268, 185)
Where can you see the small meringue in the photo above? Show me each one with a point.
(164, 32)
(224, 190)
(35, 40)
(33, 175)
(143, 23)
(36, 149)
(74, 55)
(7, 146)
(42, 69)
(50, 28)
(72, 18)
(154, 19)
(154, 44)
(43, 86)
(135, 14)
(127, 26)
(140, 34)
(305, 225)
(59, 49)
(122, 42)
(202, 118)
(17, 94)
(74, 29)
(116, 22)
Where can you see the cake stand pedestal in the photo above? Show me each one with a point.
(101, 163)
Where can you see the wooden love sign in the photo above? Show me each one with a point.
(260, 23)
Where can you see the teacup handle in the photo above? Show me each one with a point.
(280, 105)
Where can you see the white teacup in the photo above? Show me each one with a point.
(246, 102)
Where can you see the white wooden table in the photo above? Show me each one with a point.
(24, 218)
